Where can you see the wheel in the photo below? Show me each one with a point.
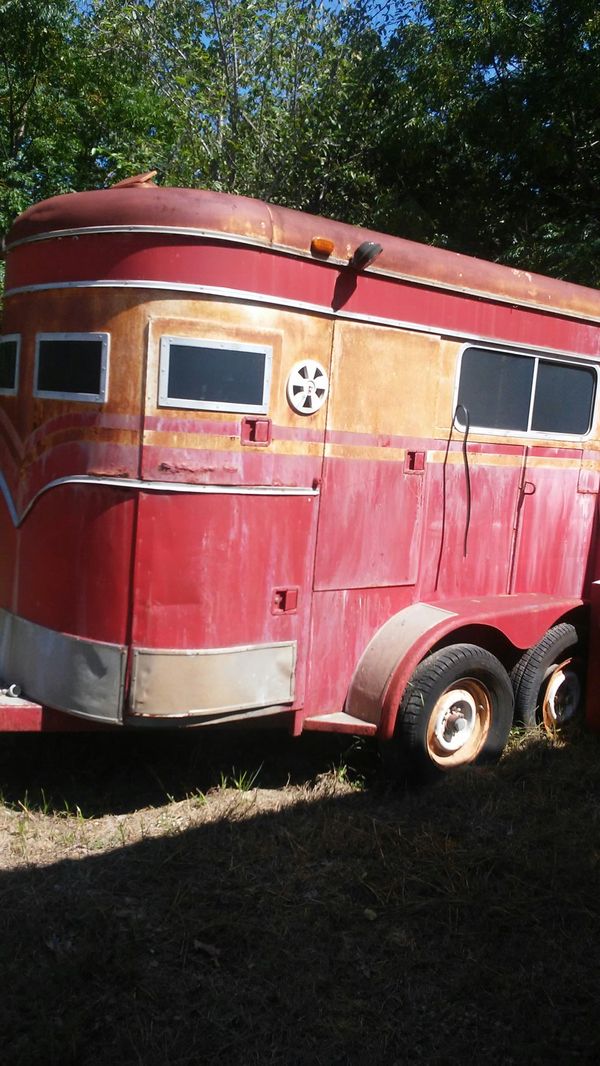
(456, 711)
(548, 680)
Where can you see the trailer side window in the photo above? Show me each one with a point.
(495, 388)
(564, 398)
(526, 393)
(71, 366)
(9, 364)
(214, 375)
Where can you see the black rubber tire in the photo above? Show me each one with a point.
(458, 667)
(529, 676)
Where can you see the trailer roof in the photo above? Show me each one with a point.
(139, 205)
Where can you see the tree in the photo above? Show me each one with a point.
(32, 43)
(468, 123)
(492, 132)
(271, 100)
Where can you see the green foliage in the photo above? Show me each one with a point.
(492, 132)
(265, 100)
(467, 123)
(32, 46)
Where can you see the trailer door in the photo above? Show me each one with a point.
(557, 506)
(382, 403)
(227, 529)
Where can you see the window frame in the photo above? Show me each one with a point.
(77, 397)
(13, 337)
(537, 355)
(164, 400)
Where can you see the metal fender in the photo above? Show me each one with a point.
(389, 660)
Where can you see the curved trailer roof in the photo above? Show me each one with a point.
(138, 205)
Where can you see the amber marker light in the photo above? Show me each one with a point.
(321, 246)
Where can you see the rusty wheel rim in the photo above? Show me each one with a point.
(459, 723)
(562, 694)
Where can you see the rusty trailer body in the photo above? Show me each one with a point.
(260, 464)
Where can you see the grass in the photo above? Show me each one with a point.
(241, 780)
(304, 913)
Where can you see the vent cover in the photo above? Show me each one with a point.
(307, 387)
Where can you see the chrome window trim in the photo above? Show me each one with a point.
(536, 354)
(77, 397)
(164, 400)
(13, 337)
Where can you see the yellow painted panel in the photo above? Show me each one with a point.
(222, 443)
(384, 381)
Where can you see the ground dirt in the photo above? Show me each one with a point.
(249, 899)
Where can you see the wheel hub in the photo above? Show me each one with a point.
(563, 695)
(455, 719)
(459, 723)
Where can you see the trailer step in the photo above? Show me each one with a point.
(340, 722)
(19, 716)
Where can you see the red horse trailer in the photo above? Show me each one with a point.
(257, 464)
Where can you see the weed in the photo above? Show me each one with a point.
(240, 780)
(72, 811)
(346, 776)
(197, 798)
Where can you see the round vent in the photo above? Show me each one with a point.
(307, 387)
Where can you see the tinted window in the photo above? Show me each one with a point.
(71, 366)
(495, 388)
(9, 349)
(564, 398)
(214, 376)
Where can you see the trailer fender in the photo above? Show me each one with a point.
(396, 649)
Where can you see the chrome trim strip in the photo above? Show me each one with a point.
(321, 309)
(297, 253)
(151, 486)
(12, 510)
(177, 231)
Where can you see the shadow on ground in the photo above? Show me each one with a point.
(116, 773)
(460, 924)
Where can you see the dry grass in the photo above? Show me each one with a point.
(152, 916)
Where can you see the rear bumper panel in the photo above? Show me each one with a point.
(88, 678)
(83, 677)
(214, 681)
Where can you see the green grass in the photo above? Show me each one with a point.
(239, 779)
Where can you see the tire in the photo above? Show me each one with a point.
(456, 711)
(548, 681)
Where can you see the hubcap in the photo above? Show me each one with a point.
(455, 719)
(459, 723)
(562, 698)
